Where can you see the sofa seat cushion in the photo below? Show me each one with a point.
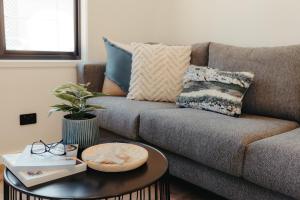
(274, 163)
(121, 115)
(212, 139)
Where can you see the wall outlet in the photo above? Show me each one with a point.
(26, 119)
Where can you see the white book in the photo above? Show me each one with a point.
(35, 177)
(26, 160)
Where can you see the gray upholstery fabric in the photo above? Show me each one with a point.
(121, 115)
(215, 140)
(215, 181)
(93, 74)
(200, 54)
(274, 163)
(276, 88)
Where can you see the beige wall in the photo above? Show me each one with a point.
(25, 88)
(238, 22)
(125, 21)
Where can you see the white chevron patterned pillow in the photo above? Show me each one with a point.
(157, 71)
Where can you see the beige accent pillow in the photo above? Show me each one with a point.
(157, 71)
(112, 89)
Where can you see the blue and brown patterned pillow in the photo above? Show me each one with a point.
(214, 90)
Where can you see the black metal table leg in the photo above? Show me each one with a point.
(161, 192)
(5, 190)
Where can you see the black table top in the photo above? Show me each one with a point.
(96, 185)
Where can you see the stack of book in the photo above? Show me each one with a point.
(34, 169)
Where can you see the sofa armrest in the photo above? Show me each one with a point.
(93, 74)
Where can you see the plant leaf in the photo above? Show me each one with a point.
(76, 95)
(67, 97)
(98, 94)
(52, 111)
(95, 106)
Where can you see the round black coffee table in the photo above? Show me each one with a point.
(145, 183)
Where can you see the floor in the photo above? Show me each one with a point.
(1, 178)
(180, 190)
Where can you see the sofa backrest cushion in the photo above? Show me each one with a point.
(199, 55)
(275, 91)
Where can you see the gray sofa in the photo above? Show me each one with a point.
(255, 157)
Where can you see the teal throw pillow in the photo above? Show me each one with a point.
(118, 66)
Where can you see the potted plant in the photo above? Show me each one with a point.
(79, 124)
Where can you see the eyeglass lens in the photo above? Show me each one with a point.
(38, 148)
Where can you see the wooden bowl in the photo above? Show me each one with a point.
(135, 156)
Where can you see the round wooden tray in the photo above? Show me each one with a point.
(131, 155)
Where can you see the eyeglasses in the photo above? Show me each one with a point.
(57, 148)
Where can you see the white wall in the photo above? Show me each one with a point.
(125, 21)
(26, 88)
(237, 22)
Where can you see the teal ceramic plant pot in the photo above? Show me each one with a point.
(84, 132)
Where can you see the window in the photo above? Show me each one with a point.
(39, 29)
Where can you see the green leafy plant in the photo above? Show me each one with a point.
(75, 97)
